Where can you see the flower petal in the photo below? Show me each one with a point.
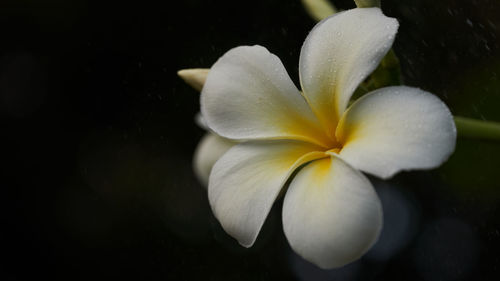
(338, 54)
(247, 179)
(249, 95)
(396, 128)
(200, 121)
(209, 150)
(331, 213)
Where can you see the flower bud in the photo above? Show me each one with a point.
(194, 77)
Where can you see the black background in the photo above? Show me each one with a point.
(98, 137)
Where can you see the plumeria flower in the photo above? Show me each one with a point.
(314, 143)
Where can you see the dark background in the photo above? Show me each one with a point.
(98, 137)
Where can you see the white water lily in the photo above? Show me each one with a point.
(331, 213)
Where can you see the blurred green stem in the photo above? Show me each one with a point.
(367, 3)
(319, 9)
(477, 129)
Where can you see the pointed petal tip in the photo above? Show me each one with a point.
(181, 72)
(246, 244)
(184, 73)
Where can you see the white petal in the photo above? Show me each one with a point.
(249, 95)
(396, 128)
(338, 54)
(331, 213)
(200, 121)
(245, 182)
(209, 150)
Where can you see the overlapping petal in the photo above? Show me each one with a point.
(338, 54)
(247, 179)
(331, 213)
(249, 95)
(210, 148)
(396, 128)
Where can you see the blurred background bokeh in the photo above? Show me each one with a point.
(98, 135)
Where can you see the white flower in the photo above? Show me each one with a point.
(331, 214)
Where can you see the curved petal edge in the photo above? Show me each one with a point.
(248, 95)
(331, 213)
(210, 148)
(397, 128)
(338, 54)
(246, 180)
